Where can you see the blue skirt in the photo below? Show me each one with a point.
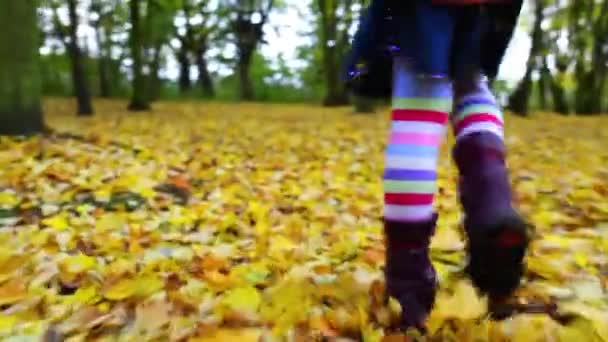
(450, 40)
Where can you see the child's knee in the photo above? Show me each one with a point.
(410, 81)
(471, 83)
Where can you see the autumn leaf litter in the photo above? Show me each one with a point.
(219, 222)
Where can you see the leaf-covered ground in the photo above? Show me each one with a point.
(219, 222)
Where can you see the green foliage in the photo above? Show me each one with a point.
(271, 84)
(55, 75)
(56, 81)
(205, 31)
(20, 88)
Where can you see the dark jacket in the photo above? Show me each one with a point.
(378, 32)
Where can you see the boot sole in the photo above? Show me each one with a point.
(496, 256)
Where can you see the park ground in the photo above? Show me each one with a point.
(239, 222)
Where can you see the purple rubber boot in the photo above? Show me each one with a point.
(410, 276)
(498, 235)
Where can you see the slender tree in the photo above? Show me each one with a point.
(248, 28)
(102, 37)
(68, 34)
(204, 76)
(20, 108)
(201, 41)
(183, 58)
(158, 26)
(183, 52)
(335, 18)
(139, 98)
(520, 98)
(588, 30)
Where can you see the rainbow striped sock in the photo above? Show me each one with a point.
(477, 111)
(419, 117)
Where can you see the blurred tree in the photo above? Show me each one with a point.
(100, 24)
(551, 82)
(247, 20)
(336, 21)
(588, 30)
(569, 53)
(108, 18)
(333, 42)
(201, 20)
(520, 98)
(158, 28)
(20, 108)
(68, 35)
(186, 40)
(151, 24)
(203, 36)
(139, 98)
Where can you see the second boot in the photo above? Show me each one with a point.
(497, 234)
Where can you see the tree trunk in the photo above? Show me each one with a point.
(560, 103)
(20, 88)
(598, 62)
(155, 81)
(185, 84)
(543, 84)
(519, 100)
(584, 94)
(249, 33)
(79, 81)
(204, 78)
(335, 96)
(104, 79)
(243, 65)
(588, 21)
(102, 62)
(139, 100)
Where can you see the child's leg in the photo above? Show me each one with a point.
(419, 117)
(497, 234)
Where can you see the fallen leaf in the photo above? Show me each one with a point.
(230, 335)
(12, 291)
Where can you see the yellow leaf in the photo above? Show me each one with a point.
(12, 292)
(7, 322)
(8, 199)
(580, 330)
(103, 195)
(142, 286)
(85, 295)
(589, 291)
(597, 317)
(288, 304)
(57, 222)
(123, 289)
(231, 335)
(110, 221)
(526, 328)
(279, 243)
(77, 264)
(447, 239)
(243, 299)
(152, 315)
(463, 304)
(581, 260)
(9, 263)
